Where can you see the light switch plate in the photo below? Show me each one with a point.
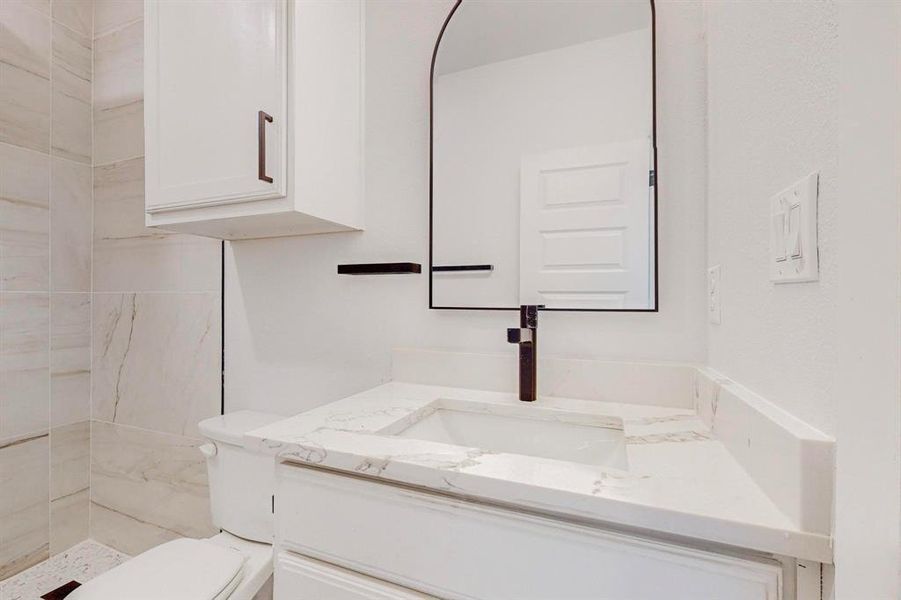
(793, 232)
(714, 305)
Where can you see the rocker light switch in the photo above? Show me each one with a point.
(778, 236)
(793, 245)
(794, 231)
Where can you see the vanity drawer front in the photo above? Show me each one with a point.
(302, 578)
(455, 549)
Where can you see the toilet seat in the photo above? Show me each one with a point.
(183, 569)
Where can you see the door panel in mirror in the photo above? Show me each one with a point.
(543, 156)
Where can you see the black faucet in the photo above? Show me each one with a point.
(526, 335)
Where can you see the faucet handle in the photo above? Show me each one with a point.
(519, 335)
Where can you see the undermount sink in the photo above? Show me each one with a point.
(548, 437)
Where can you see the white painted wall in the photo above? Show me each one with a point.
(488, 117)
(773, 102)
(793, 88)
(868, 390)
(297, 335)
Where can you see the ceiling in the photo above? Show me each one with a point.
(487, 31)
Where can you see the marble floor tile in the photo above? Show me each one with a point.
(25, 38)
(70, 358)
(156, 360)
(24, 503)
(24, 108)
(24, 219)
(113, 14)
(146, 487)
(169, 262)
(71, 224)
(77, 15)
(24, 364)
(80, 563)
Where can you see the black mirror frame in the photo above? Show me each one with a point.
(656, 307)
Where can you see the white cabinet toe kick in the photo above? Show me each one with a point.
(343, 536)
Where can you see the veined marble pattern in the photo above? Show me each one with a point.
(24, 220)
(42, 6)
(146, 488)
(77, 15)
(24, 498)
(679, 479)
(70, 452)
(791, 461)
(80, 563)
(71, 123)
(69, 520)
(113, 14)
(156, 321)
(169, 262)
(45, 108)
(24, 108)
(118, 67)
(70, 226)
(70, 358)
(118, 133)
(70, 472)
(25, 38)
(156, 360)
(24, 364)
(72, 51)
(118, 94)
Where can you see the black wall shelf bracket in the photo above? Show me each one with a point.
(399, 268)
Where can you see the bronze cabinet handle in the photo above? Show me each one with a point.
(262, 118)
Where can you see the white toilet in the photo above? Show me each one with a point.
(235, 564)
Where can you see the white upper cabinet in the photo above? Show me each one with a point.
(253, 116)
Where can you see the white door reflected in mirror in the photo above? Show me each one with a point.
(543, 156)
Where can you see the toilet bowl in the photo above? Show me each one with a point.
(235, 564)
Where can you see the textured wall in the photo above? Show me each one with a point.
(868, 392)
(297, 335)
(45, 278)
(793, 88)
(156, 322)
(773, 102)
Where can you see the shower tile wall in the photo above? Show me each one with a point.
(156, 322)
(45, 282)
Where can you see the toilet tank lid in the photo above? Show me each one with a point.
(231, 427)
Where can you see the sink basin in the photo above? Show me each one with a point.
(555, 438)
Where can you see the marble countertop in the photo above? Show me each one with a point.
(679, 480)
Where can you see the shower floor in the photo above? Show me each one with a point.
(80, 563)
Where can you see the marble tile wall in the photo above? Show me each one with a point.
(156, 322)
(45, 277)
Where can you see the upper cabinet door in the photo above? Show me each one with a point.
(215, 73)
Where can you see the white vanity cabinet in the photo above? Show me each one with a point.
(253, 116)
(302, 578)
(345, 537)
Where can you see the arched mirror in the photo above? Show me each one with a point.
(543, 174)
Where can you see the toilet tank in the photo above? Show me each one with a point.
(241, 481)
